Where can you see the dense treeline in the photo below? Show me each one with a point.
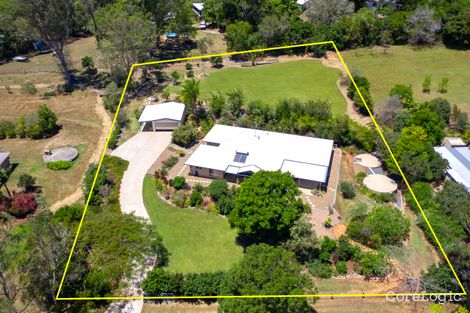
(111, 247)
(448, 212)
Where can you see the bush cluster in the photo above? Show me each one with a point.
(59, 165)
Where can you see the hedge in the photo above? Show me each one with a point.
(59, 165)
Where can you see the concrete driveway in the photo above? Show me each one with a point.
(141, 151)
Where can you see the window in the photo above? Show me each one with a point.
(240, 157)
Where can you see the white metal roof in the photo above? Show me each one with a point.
(167, 110)
(199, 6)
(305, 157)
(4, 156)
(459, 163)
(302, 2)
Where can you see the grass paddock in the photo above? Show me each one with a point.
(304, 79)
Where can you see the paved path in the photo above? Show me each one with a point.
(141, 151)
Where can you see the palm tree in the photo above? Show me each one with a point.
(190, 93)
(3, 180)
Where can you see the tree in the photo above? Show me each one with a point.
(454, 199)
(405, 93)
(386, 112)
(217, 189)
(422, 26)
(303, 241)
(266, 206)
(184, 135)
(438, 278)
(266, 270)
(47, 121)
(160, 10)
(272, 29)
(383, 226)
(373, 264)
(48, 246)
(49, 21)
(217, 104)
(430, 123)
(239, 36)
(441, 107)
(235, 102)
(204, 44)
(328, 12)
(26, 182)
(461, 123)
(347, 190)
(456, 30)
(190, 93)
(22, 204)
(125, 39)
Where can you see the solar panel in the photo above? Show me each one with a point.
(240, 157)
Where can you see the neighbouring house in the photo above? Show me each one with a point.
(303, 4)
(163, 116)
(459, 163)
(197, 8)
(453, 142)
(5, 160)
(234, 153)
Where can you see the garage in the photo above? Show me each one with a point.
(162, 117)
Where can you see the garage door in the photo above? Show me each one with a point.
(164, 125)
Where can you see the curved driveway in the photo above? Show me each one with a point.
(141, 151)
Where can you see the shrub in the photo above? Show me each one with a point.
(346, 251)
(405, 93)
(213, 209)
(59, 165)
(328, 222)
(22, 204)
(195, 199)
(427, 84)
(319, 269)
(88, 64)
(347, 190)
(160, 281)
(179, 182)
(360, 177)
(341, 268)
(29, 88)
(113, 140)
(198, 188)
(225, 205)
(175, 76)
(26, 182)
(373, 264)
(207, 284)
(188, 66)
(69, 214)
(217, 189)
(443, 85)
(184, 135)
(179, 198)
(217, 61)
(170, 162)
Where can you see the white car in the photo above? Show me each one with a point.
(202, 25)
(21, 59)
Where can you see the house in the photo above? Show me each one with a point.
(453, 142)
(234, 153)
(302, 4)
(164, 116)
(4, 160)
(459, 163)
(197, 8)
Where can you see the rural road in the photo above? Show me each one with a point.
(141, 151)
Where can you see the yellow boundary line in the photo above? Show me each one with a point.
(365, 295)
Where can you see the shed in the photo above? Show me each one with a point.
(197, 8)
(164, 116)
(5, 160)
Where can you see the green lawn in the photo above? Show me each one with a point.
(305, 80)
(197, 241)
(406, 65)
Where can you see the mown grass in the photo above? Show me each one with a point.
(304, 79)
(408, 65)
(197, 241)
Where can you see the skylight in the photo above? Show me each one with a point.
(240, 157)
